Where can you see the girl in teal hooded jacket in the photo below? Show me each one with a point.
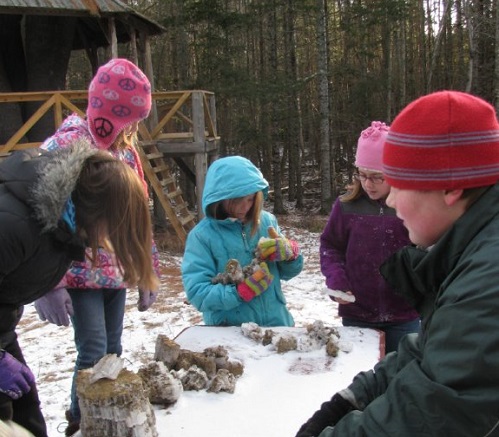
(232, 229)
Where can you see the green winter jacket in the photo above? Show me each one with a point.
(446, 381)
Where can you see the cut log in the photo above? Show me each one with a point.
(115, 408)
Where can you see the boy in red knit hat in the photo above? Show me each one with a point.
(441, 158)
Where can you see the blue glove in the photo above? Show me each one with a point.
(55, 307)
(146, 299)
(15, 377)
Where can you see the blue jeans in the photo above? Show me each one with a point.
(393, 331)
(98, 325)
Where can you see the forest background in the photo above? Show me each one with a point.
(297, 80)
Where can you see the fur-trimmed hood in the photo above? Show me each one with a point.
(37, 241)
(44, 180)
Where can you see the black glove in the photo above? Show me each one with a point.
(329, 414)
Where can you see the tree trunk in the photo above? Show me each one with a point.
(326, 193)
(471, 40)
(276, 139)
(264, 106)
(438, 42)
(295, 131)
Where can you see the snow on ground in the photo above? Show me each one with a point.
(50, 350)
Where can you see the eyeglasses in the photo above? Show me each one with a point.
(375, 179)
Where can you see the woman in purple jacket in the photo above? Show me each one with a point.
(360, 234)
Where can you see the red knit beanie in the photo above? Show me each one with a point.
(119, 95)
(445, 140)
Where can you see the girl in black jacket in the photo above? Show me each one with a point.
(52, 206)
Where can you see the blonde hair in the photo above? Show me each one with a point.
(217, 211)
(124, 140)
(110, 206)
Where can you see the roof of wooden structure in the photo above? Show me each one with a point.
(89, 13)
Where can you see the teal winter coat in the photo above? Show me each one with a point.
(444, 383)
(213, 242)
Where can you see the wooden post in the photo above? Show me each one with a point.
(200, 161)
(213, 113)
(133, 45)
(152, 121)
(149, 72)
(113, 40)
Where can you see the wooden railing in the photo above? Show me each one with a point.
(181, 121)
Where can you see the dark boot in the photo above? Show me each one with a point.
(73, 425)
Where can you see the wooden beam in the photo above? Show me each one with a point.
(112, 37)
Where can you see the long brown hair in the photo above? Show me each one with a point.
(110, 205)
(354, 191)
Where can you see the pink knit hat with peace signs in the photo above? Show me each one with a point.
(119, 95)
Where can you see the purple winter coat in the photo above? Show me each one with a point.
(358, 237)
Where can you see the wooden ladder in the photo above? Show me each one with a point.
(158, 174)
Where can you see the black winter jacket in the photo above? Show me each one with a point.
(36, 245)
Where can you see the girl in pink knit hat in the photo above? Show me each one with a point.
(119, 97)
(362, 231)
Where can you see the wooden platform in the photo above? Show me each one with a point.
(182, 125)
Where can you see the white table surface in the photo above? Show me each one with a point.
(277, 392)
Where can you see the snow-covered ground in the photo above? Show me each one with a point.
(50, 351)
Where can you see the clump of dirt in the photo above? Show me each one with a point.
(316, 336)
(211, 369)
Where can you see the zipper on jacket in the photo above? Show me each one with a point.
(381, 207)
(243, 234)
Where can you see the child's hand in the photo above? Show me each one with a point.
(15, 377)
(255, 284)
(55, 307)
(342, 297)
(277, 248)
(146, 299)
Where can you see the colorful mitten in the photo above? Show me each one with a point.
(255, 284)
(277, 249)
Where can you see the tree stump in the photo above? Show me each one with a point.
(115, 408)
